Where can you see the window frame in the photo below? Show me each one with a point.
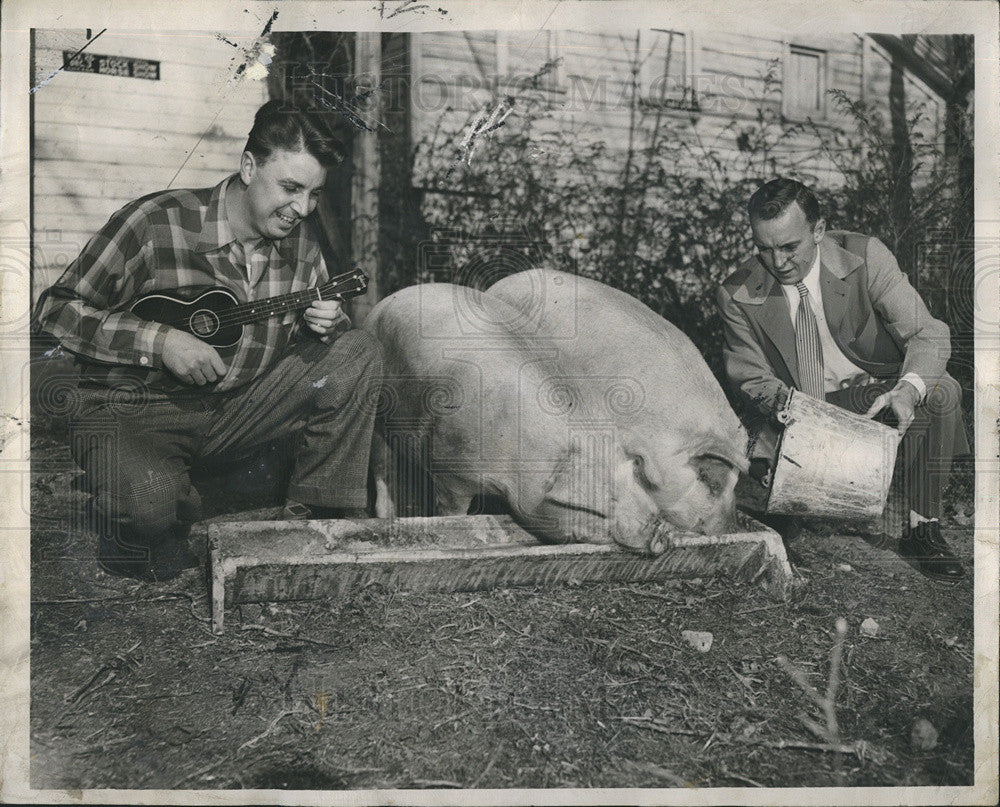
(647, 75)
(555, 82)
(823, 77)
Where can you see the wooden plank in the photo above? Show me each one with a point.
(254, 561)
(153, 154)
(133, 115)
(175, 98)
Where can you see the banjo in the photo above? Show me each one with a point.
(215, 316)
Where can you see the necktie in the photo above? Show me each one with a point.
(807, 346)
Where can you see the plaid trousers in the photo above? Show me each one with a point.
(137, 445)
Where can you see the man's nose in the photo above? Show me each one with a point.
(300, 204)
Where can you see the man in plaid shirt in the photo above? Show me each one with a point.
(154, 398)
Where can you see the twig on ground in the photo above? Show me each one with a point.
(830, 733)
(113, 666)
(90, 684)
(860, 748)
(280, 635)
(201, 771)
(616, 645)
(451, 719)
(840, 748)
(652, 594)
(659, 772)
(833, 683)
(435, 783)
(252, 742)
(100, 749)
(656, 725)
(523, 705)
(726, 773)
(761, 608)
(489, 765)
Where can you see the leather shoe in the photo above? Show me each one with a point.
(934, 559)
(155, 564)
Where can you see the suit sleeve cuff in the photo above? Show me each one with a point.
(917, 382)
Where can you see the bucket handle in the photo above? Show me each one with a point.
(785, 415)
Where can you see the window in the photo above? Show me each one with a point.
(667, 68)
(523, 54)
(804, 85)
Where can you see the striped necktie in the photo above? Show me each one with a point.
(807, 346)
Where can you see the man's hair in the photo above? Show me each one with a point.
(277, 125)
(773, 198)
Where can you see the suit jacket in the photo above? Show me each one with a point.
(875, 316)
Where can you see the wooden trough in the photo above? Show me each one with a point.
(266, 561)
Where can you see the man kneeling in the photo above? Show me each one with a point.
(832, 315)
(155, 398)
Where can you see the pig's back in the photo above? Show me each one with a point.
(454, 364)
(603, 332)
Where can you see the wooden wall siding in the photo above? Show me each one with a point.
(596, 74)
(102, 141)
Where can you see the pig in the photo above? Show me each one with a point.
(686, 443)
(491, 412)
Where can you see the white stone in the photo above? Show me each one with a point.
(700, 640)
(923, 736)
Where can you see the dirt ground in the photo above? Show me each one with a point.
(557, 687)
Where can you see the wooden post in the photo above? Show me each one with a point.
(367, 170)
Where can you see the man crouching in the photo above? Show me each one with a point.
(155, 398)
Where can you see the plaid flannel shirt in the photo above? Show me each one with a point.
(171, 240)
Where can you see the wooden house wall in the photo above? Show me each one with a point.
(101, 141)
(455, 74)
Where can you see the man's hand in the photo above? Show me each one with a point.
(191, 360)
(323, 315)
(903, 398)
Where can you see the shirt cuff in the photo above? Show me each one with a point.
(148, 345)
(917, 382)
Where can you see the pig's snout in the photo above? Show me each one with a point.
(652, 538)
(659, 539)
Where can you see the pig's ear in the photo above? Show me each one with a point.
(714, 471)
(645, 474)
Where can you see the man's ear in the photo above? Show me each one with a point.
(819, 230)
(248, 167)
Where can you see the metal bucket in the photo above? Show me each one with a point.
(831, 462)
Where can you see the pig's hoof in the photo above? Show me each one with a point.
(656, 545)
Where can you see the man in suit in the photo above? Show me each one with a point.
(831, 315)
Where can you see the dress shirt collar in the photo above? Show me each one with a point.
(812, 276)
(811, 280)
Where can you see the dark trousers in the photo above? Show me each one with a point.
(137, 447)
(937, 435)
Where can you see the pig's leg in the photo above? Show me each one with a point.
(385, 505)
